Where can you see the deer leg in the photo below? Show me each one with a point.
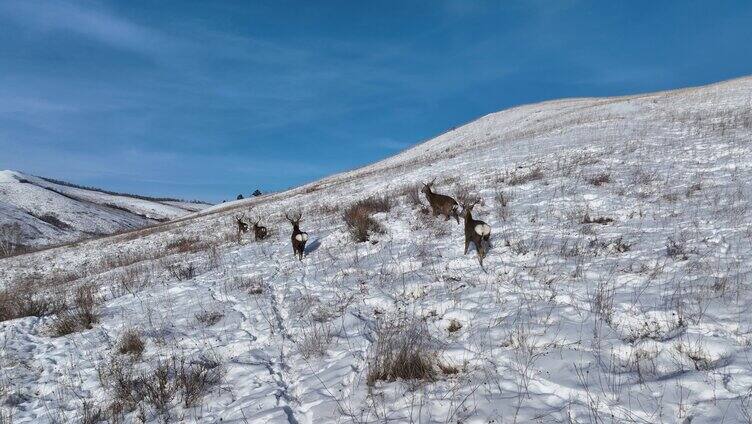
(467, 243)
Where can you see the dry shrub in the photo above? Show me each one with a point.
(598, 220)
(130, 343)
(172, 379)
(10, 239)
(209, 318)
(502, 201)
(134, 278)
(412, 192)
(454, 326)
(124, 385)
(358, 217)
(90, 413)
(249, 284)
(676, 249)
(161, 386)
(18, 302)
(643, 177)
(315, 340)
(326, 209)
(82, 315)
(196, 378)
(462, 195)
(599, 179)
(122, 259)
(213, 257)
(403, 350)
(186, 245)
(180, 272)
(513, 178)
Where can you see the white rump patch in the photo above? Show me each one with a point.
(483, 229)
(301, 237)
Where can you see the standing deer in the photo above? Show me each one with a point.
(259, 231)
(242, 225)
(441, 204)
(298, 238)
(476, 231)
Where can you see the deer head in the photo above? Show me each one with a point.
(427, 186)
(241, 223)
(468, 205)
(294, 219)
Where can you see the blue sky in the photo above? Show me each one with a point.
(210, 99)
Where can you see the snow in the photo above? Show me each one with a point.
(642, 319)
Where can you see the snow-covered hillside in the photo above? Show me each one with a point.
(617, 289)
(50, 213)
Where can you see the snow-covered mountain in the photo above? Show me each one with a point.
(51, 213)
(618, 287)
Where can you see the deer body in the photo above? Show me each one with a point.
(477, 232)
(298, 238)
(441, 204)
(259, 231)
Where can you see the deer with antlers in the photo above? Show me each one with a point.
(242, 225)
(476, 231)
(298, 238)
(259, 231)
(440, 203)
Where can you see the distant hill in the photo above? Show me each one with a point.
(50, 211)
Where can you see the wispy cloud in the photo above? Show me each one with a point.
(93, 22)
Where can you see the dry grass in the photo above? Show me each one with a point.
(462, 194)
(315, 340)
(180, 272)
(10, 239)
(599, 179)
(82, 315)
(19, 301)
(249, 284)
(598, 220)
(412, 192)
(186, 245)
(172, 380)
(130, 343)
(358, 217)
(502, 202)
(403, 350)
(518, 178)
(209, 318)
(454, 326)
(676, 249)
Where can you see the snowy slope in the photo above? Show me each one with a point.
(617, 288)
(51, 213)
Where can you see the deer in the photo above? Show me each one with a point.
(476, 231)
(242, 225)
(259, 231)
(298, 238)
(441, 204)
